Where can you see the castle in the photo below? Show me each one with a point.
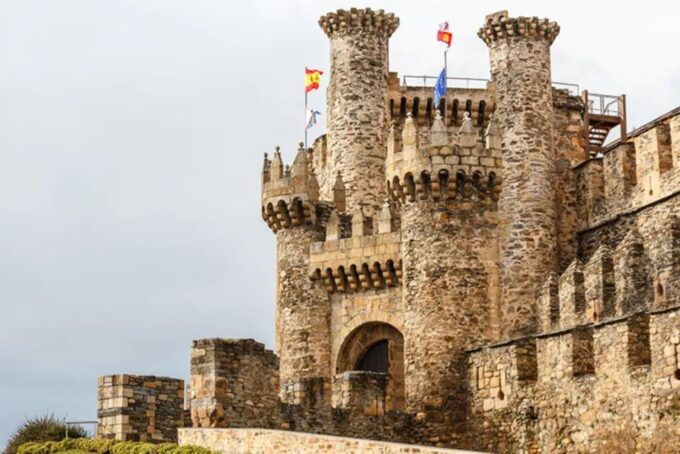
(483, 274)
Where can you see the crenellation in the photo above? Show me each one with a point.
(600, 288)
(631, 275)
(458, 170)
(653, 160)
(548, 300)
(591, 200)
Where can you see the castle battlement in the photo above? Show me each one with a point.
(358, 263)
(419, 102)
(467, 165)
(631, 174)
(613, 282)
(358, 20)
(500, 26)
(288, 193)
(603, 373)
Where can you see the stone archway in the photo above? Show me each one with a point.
(363, 348)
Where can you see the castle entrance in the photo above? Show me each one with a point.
(376, 347)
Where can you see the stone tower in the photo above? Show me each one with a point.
(447, 189)
(357, 102)
(519, 51)
(303, 309)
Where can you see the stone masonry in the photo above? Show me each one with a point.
(469, 275)
(519, 53)
(140, 408)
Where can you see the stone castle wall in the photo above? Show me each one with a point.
(139, 408)
(582, 389)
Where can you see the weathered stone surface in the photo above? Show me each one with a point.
(140, 408)
(258, 441)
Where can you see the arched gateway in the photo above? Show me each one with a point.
(376, 347)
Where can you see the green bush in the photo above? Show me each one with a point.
(41, 429)
(108, 446)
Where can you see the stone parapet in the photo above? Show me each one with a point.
(260, 441)
(140, 408)
(358, 263)
(417, 100)
(289, 195)
(467, 166)
(357, 20)
(631, 175)
(613, 378)
(500, 26)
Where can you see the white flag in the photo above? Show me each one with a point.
(311, 117)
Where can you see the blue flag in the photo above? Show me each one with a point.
(440, 88)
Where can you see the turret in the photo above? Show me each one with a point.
(289, 195)
(357, 102)
(519, 50)
(289, 205)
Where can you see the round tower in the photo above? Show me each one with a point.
(519, 53)
(448, 221)
(289, 198)
(357, 100)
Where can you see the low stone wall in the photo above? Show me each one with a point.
(140, 408)
(254, 441)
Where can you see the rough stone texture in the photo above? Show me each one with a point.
(258, 441)
(140, 408)
(360, 391)
(357, 102)
(234, 383)
(447, 301)
(303, 309)
(520, 68)
(596, 388)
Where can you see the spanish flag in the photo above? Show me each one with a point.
(312, 79)
(444, 35)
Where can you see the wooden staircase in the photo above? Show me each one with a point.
(602, 114)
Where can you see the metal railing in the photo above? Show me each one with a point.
(573, 89)
(90, 427)
(599, 104)
(473, 82)
(457, 82)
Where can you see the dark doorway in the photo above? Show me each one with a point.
(374, 358)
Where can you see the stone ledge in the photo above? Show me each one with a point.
(254, 441)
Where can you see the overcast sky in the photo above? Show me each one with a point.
(131, 142)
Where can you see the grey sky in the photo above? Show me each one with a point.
(131, 142)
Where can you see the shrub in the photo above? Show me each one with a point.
(108, 446)
(41, 429)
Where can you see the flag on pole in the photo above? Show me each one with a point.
(312, 79)
(440, 88)
(444, 35)
(311, 118)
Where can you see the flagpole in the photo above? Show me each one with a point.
(305, 119)
(446, 81)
